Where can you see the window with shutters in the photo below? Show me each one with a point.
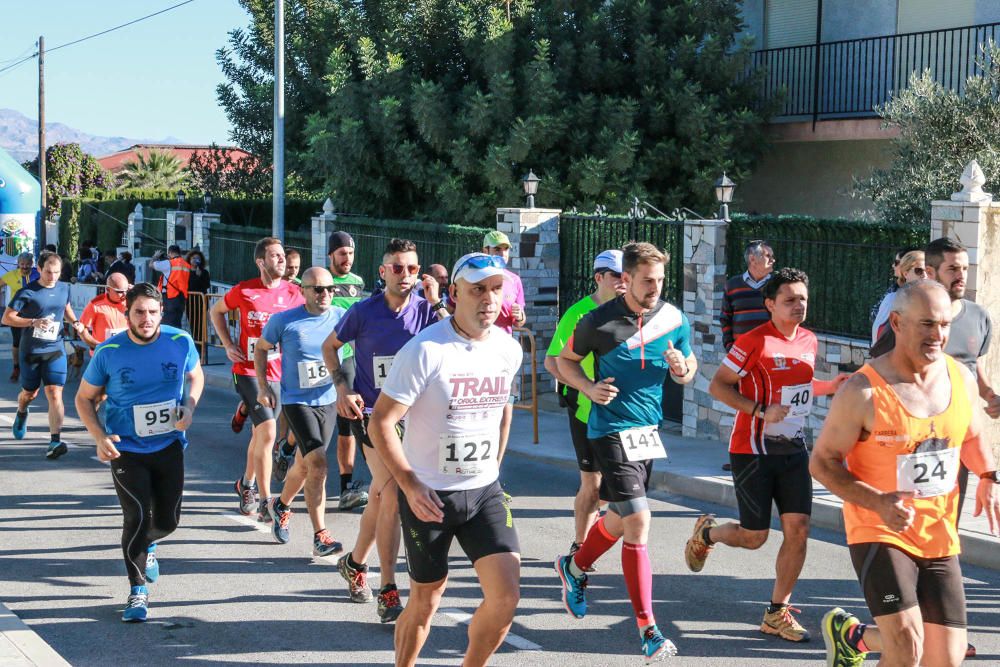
(918, 15)
(790, 23)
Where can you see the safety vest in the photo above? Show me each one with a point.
(177, 279)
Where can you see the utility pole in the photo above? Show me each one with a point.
(278, 196)
(40, 221)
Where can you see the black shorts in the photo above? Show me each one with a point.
(313, 425)
(581, 443)
(359, 429)
(343, 427)
(479, 518)
(15, 336)
(246, 388)
(621, 479)
(894, 581)
(761, 478)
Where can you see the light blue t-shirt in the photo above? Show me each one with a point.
(304, 377)
(144, 384)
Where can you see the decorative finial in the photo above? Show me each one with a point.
(972, 181)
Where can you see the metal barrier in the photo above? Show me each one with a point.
(522, 334)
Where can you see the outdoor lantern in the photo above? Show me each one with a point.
(181, 198)
(724, 194)
(530, 183)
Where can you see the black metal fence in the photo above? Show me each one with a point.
(231, 251)
(849, 263)
(852, 77)
(583, 237)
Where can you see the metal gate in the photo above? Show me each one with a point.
(583, 237)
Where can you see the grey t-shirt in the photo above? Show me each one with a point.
(969, 338)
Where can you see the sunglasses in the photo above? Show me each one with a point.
(482, 261)
(118, 291)
(398, 269)
(320, 289)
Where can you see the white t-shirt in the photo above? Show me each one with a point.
(456, 390)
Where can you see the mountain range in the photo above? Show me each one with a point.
(19, 137)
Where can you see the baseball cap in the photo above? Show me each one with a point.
(495, 239)
(477, 266)
(339, 240)
(610, 260)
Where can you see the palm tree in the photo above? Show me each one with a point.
(156, 170)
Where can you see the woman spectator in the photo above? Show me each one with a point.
(911, 268)
(200, 282)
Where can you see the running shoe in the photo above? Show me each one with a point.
(239, 418)
(656, 647)
(280, 519)
(357, 580)
(574, 590)
(15, 374)
(20, 425)
(970, 651)
(696, 550)
(263, 513)
(248, 497)
(137, 606)
(352, 497)
(837, 623)
(283, 460)
(389, 606)
(324, 545)
(784, 625)
(152, 564)
(573, 548)
(55, 450)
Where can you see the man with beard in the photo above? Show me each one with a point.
(39, 308)
(637, 340)
(453, 381)
(377, 328)
(256, 300)
(891, 447)
(153, 381)
(767, 377)
(105, 315)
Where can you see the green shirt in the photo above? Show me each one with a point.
(564, 331)
(347, 291)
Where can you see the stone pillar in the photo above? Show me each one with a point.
(321, 233)
(171, 228)
(704, 284)
(134, 230)
(534, 237)
(200, 236)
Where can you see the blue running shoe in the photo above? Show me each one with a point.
(20, 425)
(280, 518)
(283, 460)
(574, 589)
(137, 607)
(152, 564)
(655, 646)
(56, 449)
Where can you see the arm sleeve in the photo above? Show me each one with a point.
(347, 327)
(564, 329)
(683, 340)
(743, 355)
(97, 373)
(519, 294)
(726, 321)
(584, 338)
(882, 315)
(988, 331)
(87, 317)
(273, 329)
(19, 300)
(162, 265)
(232, 298)
(192, 358)
(409, 374)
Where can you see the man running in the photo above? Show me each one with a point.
(453, 381)
(377, 328)
(39, 309)
(256, 300)
(15, 280)
(153, 382)
(637, 340)
(608, 276)
(891, 447)
(105, 315)
(768, 378)
(307, 401)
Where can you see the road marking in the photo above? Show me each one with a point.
(512, 639)
(7, 419)
(247, 521)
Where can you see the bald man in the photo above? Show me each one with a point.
(439, 273)
(105, 315)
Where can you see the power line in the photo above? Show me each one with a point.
(19, 62)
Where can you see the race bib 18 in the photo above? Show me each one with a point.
(641, 444)
(798, 399)
(380, 369)
(928, 473)
(467, 454)
(313, 374)
(155, 418)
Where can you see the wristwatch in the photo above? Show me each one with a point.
(990, 475)
(439, 305)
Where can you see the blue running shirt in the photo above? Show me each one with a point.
(144, 383)
(37, 302)
(304, 376)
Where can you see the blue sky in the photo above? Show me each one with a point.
(150, 80)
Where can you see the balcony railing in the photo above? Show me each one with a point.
(850, 78)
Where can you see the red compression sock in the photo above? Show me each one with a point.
(639, 581)
(598, 541)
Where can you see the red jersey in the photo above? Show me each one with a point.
(256, 304)
(773, 370)
(104, 317)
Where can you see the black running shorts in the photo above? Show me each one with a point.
(246, 387)
(359, 429)
(585, 460)
(313, 425)
(762, 478)
(479, 518)
(894, 581)
(343, 426)
(621, 479)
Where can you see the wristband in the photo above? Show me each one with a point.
(990, 475)
(687, 369)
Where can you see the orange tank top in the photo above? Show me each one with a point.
(907, 453)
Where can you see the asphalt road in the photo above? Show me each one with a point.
(229, 594)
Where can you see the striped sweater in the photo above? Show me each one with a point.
(742, 307)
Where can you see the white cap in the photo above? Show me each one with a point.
(609, 259)
(464, 269)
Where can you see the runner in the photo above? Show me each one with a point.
(307, 400)
(153, 383)
(453, 381)
(608, 276)
(767, 377)
(15, 280)
(891, 447)
(105, 315)
(39, 308)
(512, 311)
(293, 263)
(637, 340)
(348, 290)
(377, 328)
(256, 300)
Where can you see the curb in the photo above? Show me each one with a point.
(20, 645)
